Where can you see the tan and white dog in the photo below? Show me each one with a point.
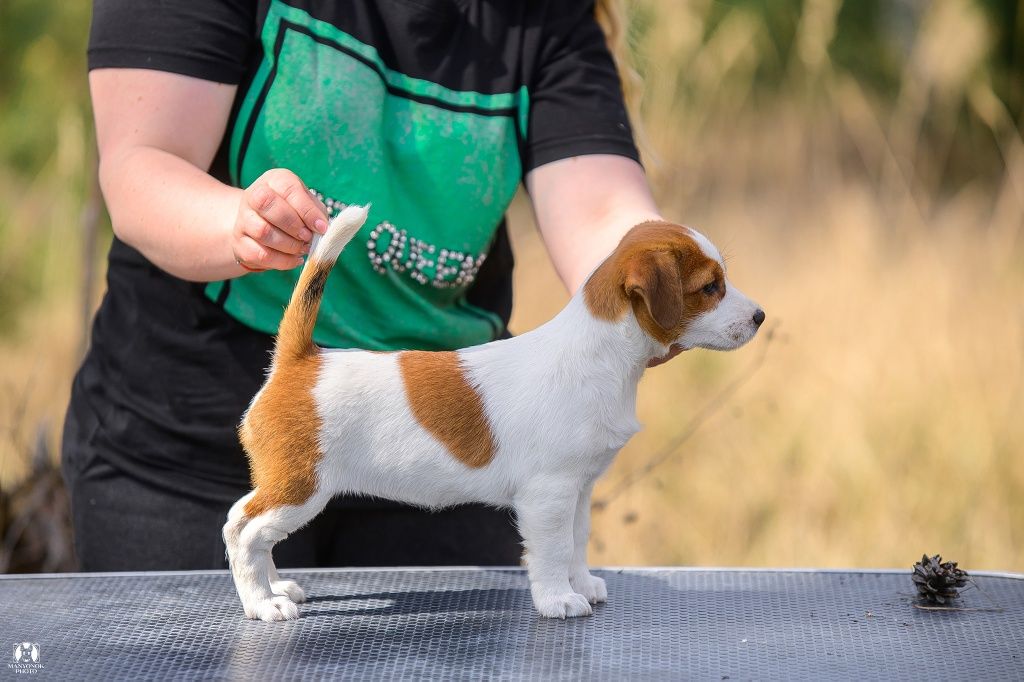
(528, 422)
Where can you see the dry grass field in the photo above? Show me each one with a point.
(885, 415)
(881, 413)
(882, 420)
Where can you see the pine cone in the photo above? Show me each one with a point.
(938, 582)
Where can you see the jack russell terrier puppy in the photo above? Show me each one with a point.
(528, 422)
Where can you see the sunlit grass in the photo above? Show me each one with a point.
(41, 327)
(885, 419)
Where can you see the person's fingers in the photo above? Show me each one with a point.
(263, 232)
(275, 209)
(277, 221)
(288, 186)
(255, 256)
(321, 204)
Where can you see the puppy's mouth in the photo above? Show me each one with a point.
(723, 344)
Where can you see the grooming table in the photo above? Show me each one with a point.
(414, 624)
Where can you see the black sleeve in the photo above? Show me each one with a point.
(208, 39)
(576, 103)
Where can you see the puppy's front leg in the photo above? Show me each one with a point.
(545, 516)
(590, 586)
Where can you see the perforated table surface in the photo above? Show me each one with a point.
(479, 624)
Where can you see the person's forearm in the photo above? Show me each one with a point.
(175, 214)
(609, 223)
(584, 205)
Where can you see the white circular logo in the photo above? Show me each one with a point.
(26, 652)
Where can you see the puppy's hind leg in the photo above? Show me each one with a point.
(280, 586)
(545, 515)
(252, 566)
(232, 531)
(236, 522)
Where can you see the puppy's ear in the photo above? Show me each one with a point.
(654, 286)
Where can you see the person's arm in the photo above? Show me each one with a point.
(582, 173)
(584, 205)
(157, 134)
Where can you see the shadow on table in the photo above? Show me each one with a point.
(405, 603)
(473, 632)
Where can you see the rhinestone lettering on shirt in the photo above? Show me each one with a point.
(390, 247)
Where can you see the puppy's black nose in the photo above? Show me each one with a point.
(758, 317)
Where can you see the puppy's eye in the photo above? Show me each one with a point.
(710, 289)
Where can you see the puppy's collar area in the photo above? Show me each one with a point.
(673, 350)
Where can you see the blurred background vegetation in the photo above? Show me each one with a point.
(862, 165)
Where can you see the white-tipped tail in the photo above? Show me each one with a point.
(295, 334)
(344, 226)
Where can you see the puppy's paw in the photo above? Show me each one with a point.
(590, 586)
(290, 589)
(276, 608)
(561, 605)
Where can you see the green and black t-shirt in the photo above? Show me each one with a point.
(431, 110)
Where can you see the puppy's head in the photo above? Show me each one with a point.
(672, 279)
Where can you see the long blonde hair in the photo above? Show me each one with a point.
(611, 16)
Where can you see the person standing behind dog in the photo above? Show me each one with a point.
(229, 132)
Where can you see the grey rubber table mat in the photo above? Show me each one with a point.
(479, 624)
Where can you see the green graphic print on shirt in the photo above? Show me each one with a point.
(439, 166)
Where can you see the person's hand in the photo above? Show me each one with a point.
(275, 222)
(674, 350)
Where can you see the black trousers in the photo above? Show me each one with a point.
(124, 524)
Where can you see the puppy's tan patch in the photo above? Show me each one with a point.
(446, 405)
(280, 433)
(660, 271)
